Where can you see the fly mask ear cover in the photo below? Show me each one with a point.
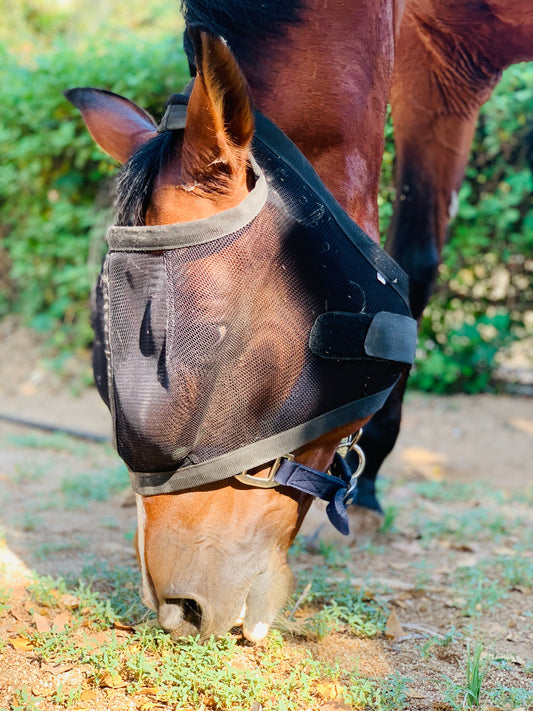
(232, 340)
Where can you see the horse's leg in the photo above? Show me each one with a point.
(438, 88)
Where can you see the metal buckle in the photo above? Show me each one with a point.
(348, 443)
(351, 444)
(261, 482)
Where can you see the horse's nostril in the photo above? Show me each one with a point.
(192, 612)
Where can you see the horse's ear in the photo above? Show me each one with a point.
(117, 125)
(220, 123)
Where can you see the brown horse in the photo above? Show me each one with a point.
(321, 71)
(449, 58)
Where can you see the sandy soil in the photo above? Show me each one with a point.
(485, 441)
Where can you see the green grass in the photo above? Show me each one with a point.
(482, 587)
(280, 674)
(56, 441)
(466, 526)
(79, 490)
(442, 642)
(343, 607)
(46, 549)
(467, 694)
(29, 473)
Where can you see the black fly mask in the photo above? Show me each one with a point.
(228, 342)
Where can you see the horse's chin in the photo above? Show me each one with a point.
(268, 592)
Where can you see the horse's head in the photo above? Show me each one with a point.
(183, 333)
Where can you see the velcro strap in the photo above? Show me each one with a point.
(341, 335)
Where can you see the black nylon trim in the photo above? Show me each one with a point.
(271, 138)
(253, 455)
(392, 337)
(187, 234)
(174, 118)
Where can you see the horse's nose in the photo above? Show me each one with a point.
(182, 616)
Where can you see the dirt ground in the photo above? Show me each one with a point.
(482, 441)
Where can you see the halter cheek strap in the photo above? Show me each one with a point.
(336, 486)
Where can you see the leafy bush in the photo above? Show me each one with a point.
(484, 297)
(56, 194)
(52, 174)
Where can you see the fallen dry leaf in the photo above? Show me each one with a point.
(70, 601)
(42, 623)
(504, 550)
(148, 691)
(465, 547)
(61, 621)
(467, 561)
(456, 602)
(521, 589)
(425, 629)
(414, 693)
(394, 628)
(329, 690)
(19, 615)
(89, 695)
(22, 644)
(121, 626)
(43, 691)
(112, 681)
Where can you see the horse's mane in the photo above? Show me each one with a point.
(136, 179)
(244, 24)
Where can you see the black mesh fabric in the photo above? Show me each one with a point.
(203, 350)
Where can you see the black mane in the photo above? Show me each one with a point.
(136, 179)
(244, 24)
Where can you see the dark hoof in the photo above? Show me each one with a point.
(365, 496)
(317, 532)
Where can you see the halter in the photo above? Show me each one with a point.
(338, 485)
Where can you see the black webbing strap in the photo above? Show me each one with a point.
(328, 487)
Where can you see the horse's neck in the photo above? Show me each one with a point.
(326, 85)
(491, 35)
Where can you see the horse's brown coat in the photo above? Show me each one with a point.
(449, 57)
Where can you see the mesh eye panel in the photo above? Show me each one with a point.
(207, 345)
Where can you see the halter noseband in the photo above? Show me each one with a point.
(337, 486)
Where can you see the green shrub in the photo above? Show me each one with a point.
(52, 175)
(484, 297)
(56, 195)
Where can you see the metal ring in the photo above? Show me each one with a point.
(362, 462)
(263, 482)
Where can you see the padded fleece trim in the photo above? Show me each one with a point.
(187, 234)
